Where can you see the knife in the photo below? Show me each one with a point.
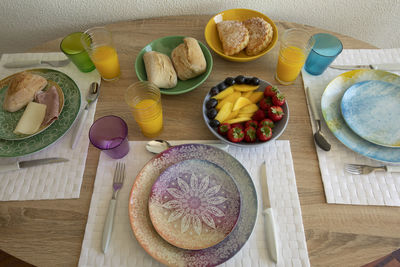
(29, 163)
(269, 221)
(388, 66)
(35, 62)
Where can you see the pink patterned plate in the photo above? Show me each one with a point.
(194, 204)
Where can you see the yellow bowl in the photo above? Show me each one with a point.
(212, 38)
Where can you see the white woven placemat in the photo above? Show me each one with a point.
(54, 181)
(377, 188)
(124, 250)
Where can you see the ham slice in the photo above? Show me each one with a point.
(50, 98)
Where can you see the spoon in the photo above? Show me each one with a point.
(158, 146)
(91, 97)
(319, 138)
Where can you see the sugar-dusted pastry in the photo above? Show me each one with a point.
(261, 34)
(188, 59)
(159, 69)
(22, 90)
(234, 36)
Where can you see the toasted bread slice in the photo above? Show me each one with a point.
(261, 34)
(233, 35)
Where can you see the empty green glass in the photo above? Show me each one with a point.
(72, 47)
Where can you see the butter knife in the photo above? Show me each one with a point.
(29, 163)
(269, 220)
(35, 62)
(387, 66)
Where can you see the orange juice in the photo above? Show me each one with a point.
(105, 59)
(148, 114)
(291, 60)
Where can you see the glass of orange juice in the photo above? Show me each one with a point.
(144, 98)
(99, 45)
(295, 45)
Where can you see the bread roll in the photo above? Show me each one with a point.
(22, 90)
(188, 59)
(159, 70)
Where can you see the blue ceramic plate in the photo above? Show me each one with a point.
(372, 110)
(165, 45)
(330, 104)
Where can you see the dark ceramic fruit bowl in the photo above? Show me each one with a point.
(212, 124)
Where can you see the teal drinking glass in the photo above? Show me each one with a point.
(326, 48)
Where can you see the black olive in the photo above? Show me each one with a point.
(255, 81)
(229, 81)
(214, 123)
(211, 103)
(247, 80)
(214, 91)
(222, 86)
(240, 79)
(211, 113)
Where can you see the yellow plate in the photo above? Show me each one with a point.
(212, 38)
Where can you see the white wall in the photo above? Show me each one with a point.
(28, 23)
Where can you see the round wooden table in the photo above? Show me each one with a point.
(50, 232)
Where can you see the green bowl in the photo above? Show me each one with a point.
(165, 45)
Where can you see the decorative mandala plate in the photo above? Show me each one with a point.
(372, 110)
(171, 255)
(330, 105)
(194, 204)
(72, 103)
(9, 120)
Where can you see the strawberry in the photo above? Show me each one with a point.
(258, 115)
(224, 128)
(235, 134)
(251, 123)
(278, 99)
(265, 103)
(270, 90)
(238, 125)
(275, 113)
(264, 133)
(266, 122)
(250, 134)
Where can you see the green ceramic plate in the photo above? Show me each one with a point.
(72, 102)
(9, 120)
(165, 45)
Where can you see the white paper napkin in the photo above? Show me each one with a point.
(54, 181)
(124, 250)
(377, 188)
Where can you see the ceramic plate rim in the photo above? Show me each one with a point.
(196, 147)
(344, 134)
(285, 121)
(59, 136)
(232, 180)
(207, 55)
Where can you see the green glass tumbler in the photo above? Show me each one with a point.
(72, 47)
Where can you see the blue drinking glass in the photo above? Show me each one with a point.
(326, 48)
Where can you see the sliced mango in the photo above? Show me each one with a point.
(232, 115)
(255, 97)
(230, 98)
(236, 120)
(245, 87)
(241, 102)
(247, 94)
(249, 109)
(224, 112)
(245, 115)
(225, 93)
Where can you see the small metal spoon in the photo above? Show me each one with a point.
(158, 146)
(319, 138)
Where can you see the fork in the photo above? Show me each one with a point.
(365, 169)
(119, 176)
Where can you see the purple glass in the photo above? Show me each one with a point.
(110, 134)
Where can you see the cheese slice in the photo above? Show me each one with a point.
(31, 119)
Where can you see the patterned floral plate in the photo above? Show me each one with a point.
(163, 251)
(194, 204)
(9, 120)
(72, 103)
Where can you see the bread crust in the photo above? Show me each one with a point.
(22, 90)
(234, 36)
(260, 35)
(159, 69)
